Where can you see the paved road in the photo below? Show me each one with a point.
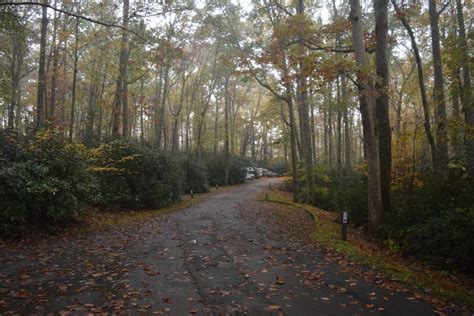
(221, 256)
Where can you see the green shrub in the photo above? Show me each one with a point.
(339, 191)
(348, 192)
(196, 176)
(433, 220)
(445, 239)
(216, 167)
(43, 178)
(134, 176)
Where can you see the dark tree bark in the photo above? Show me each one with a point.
(226, 128)
(161, 136)
(347, 127)
(177, 112)
(55, 48)
(121, 90)
(468, 104)
(74, 80)
(441, 118)
(339, 126)
(326, 136)
(303, 111)
(382, 99)
(101, 108)
(41, 97)
(216, 127)
(17, 59)
(421, 83)
(369, 122)
(156, 106)
(91, 102)
(63, 87)
(313, 129)
(293, 130)
(142, 111)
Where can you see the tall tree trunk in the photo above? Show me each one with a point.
(382, 101)
(89, 132)
(253, 148)
(326, 136)
(347, 127)
(305, 129)
(421, 83)
(101, 108)
(339, 126)
(74, 80)
(330, 130)
(41, 96)
(468, 104)
(61, 108)
(156, 106)
(455, 91)
(216, 119)
(293, 130)
(226, 128)
(367, 109)
(126, 51)
(15, 68)
(142, 111)
(177, 114)
(161, 112)
(313, 129)
(438, 94)
(121, 89)
(53, 101)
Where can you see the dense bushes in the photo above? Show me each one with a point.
(45, 178)
(196, 177)
(216, 166)
(42, 178)
(133, 176)
(445, 239)
(344, 190)
(432, 220)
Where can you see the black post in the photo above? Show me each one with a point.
(344, 226)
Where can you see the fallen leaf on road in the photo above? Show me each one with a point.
(273, 307)
(279, 281)
(23, 294)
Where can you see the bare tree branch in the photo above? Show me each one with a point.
(73, 15)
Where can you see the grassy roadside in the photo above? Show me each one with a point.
(431, 284)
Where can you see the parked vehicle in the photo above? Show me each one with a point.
(250, 173)
(270, 174)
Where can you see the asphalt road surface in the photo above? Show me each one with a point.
(222, 256)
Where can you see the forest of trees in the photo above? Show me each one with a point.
(367, 105)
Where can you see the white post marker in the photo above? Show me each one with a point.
(344, 226)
